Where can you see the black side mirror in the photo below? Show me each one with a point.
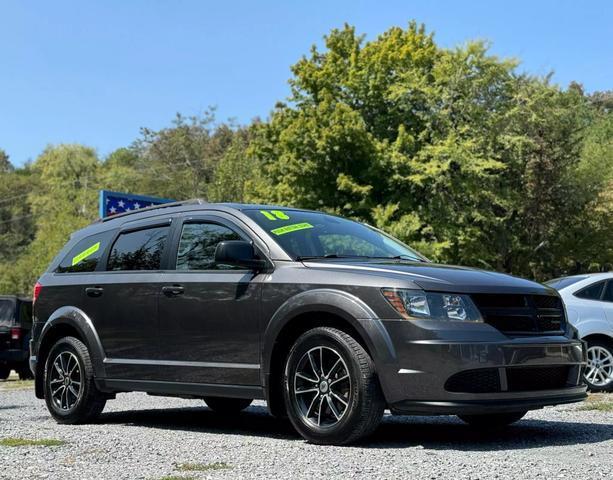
(239, 253)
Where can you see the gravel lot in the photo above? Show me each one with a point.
(139, 436)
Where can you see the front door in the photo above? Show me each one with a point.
(208, 313)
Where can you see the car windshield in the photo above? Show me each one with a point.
(563, 282)
(309, 235)
(7, 311)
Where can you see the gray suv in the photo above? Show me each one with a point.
(329, 320)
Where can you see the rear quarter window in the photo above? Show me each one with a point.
(86, 254)
(7, 313)
(593, 292)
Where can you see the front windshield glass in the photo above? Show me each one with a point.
(7, 311)
(307, 235)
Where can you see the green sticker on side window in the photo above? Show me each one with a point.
(85, 253)
(291, 228)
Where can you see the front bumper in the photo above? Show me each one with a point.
(496, 373)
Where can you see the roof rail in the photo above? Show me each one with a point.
(193, 201)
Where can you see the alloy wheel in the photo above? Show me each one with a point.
(65, 381)
(322, 387)
(599, 371)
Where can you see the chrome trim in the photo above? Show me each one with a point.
(408, 370)
(177, 363)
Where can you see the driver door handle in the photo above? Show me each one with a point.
(94, 291)
(173, 290)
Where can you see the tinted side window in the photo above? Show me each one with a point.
(592, 292)
(84, 256)
(139, 250)
(608, 293)
(25, 314)
(197, 246)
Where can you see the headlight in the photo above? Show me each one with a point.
(420, 305)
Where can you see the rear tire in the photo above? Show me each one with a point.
(598, 374)
(4, 372)
(70, 391)
(331, 390)
(24, 372)
(227, 406)
(492, 421)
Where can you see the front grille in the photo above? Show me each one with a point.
(527, 379)
(484, 380)
(514, 379)
(522, 314)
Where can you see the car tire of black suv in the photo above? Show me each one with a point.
(24, 372)
(601, 351)
(70, 392)
(331, 390)
(492, 421)
(227, 406)
(4, 373)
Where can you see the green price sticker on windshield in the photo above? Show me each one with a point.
(275, 214)
(85, 253)
(291, 228)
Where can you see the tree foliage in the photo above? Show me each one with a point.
(449, 149)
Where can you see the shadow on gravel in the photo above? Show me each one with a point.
(10, 407)
(449, 433)
(253, 421)
(436, 433)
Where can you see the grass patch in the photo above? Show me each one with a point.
(599, 406)
(17, 385)
(202, 467)
(29, 442)
(601, 402)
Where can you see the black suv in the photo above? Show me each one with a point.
(15, 334)
(330, 321)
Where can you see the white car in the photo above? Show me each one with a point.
(589, 306)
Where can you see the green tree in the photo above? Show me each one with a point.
(448, 149)
(64, 199)
(180, 162)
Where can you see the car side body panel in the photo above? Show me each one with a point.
(233, 353)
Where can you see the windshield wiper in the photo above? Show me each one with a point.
(402, 257)
(329, 255)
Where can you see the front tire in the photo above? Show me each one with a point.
(598, 374)
(227, 406)
(70, 392)
(331, 390)
(492, 421)
(4, 372)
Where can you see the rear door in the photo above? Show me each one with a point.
(123, 299)
(209, 313)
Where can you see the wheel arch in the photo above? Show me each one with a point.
(67, 321)
(608, 338)
(315, 308)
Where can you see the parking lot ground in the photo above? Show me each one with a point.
(144, 437)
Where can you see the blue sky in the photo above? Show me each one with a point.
(94, 73)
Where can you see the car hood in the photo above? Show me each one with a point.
(436, 277)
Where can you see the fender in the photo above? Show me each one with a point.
(594, 327)
(77, 319)
(337, 302)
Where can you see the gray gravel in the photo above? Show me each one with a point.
(139, 436)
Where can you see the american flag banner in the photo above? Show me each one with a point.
(113, 203)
